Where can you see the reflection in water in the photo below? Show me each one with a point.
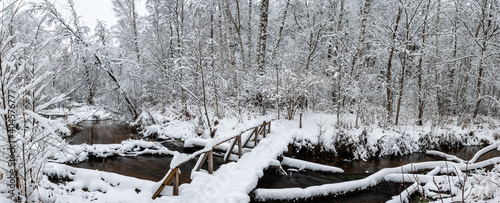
(380, 193)
(152, 168)
(103, 132)
(355, 170)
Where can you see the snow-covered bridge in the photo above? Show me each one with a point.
(232, 181)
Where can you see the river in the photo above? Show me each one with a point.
(154, 167)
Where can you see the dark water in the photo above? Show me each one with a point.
(103, 132)
(355, 170)
(152, 168)
(155, 167)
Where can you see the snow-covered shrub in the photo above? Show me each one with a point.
(27, 140)
(484, 186)
(352, 145)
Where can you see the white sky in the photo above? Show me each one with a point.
(91, 10)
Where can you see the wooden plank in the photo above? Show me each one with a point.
(224, 141)
(262, 129)
(176, 183)
(250, 136)
(255, 140)
(200, 162)
(239, 146)
(210, 162)
(269, 129)
(265, 130)
(259, 132)
(228, 152)
(162, 186)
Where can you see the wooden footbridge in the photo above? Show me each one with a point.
(242, 139)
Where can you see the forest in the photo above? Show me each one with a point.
(386, 62)
(383, 63)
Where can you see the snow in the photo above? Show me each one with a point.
(165, 125)
(321, 130)
(78, 153)
(305, 165)
(86, 185)
(4, 198)
(444, 155)
(405, 195)
(375, 141)
(232, 182)
(370, 181)
(178, 159)
(483, 151)
(77, 112)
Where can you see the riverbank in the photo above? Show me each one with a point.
(321, 136)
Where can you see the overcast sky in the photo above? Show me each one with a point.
(91, 10)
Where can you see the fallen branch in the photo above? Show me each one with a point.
(403, 197)
(370, 181)
(301, 165)
(444, 155)
(483, 151)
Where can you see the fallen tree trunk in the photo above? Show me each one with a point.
(370, 181)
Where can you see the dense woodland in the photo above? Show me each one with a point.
(383, 62)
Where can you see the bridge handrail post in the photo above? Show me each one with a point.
(176, 182)
(240, 150)
(210, 161)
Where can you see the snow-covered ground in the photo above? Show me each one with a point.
(86, 185)
(456, 184)
(320, 131)
(233, 181)
(78, 153)
(77, 112)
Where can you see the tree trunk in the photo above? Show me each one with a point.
(274, 54)
(439, 98)
(232, 51)
(479, 81)
(389, 66)
(261, 49)
(200, 64)
(250, 4)
(131, 106)
(489, 29)
(403, 61)
(337, 61)
(361, 41)
(237, 26)
(134, 27)
(280, 34)
(212, 49)
(261, 52)
(419, 74)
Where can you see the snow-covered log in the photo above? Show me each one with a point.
(370, 181)
(403, 197)
(444, 155)
(483, 151)
(306, 165)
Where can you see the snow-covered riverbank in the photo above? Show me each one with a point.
(320, 132)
